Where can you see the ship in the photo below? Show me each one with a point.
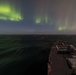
(62, 59)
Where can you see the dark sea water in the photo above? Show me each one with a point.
(27, 54)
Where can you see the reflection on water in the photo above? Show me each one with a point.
(22, 53)
(9, 49)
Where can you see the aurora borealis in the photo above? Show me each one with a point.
(38, 16)
(8, 11)
(60, 13)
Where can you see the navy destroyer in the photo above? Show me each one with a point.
(62, 59)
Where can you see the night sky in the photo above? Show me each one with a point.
(38, 17)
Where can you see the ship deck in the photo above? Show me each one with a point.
(59, 65)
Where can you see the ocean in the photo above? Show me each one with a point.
(27, 54)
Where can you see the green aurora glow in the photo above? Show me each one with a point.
(39, 20)
(60, 28)
(9, 12)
